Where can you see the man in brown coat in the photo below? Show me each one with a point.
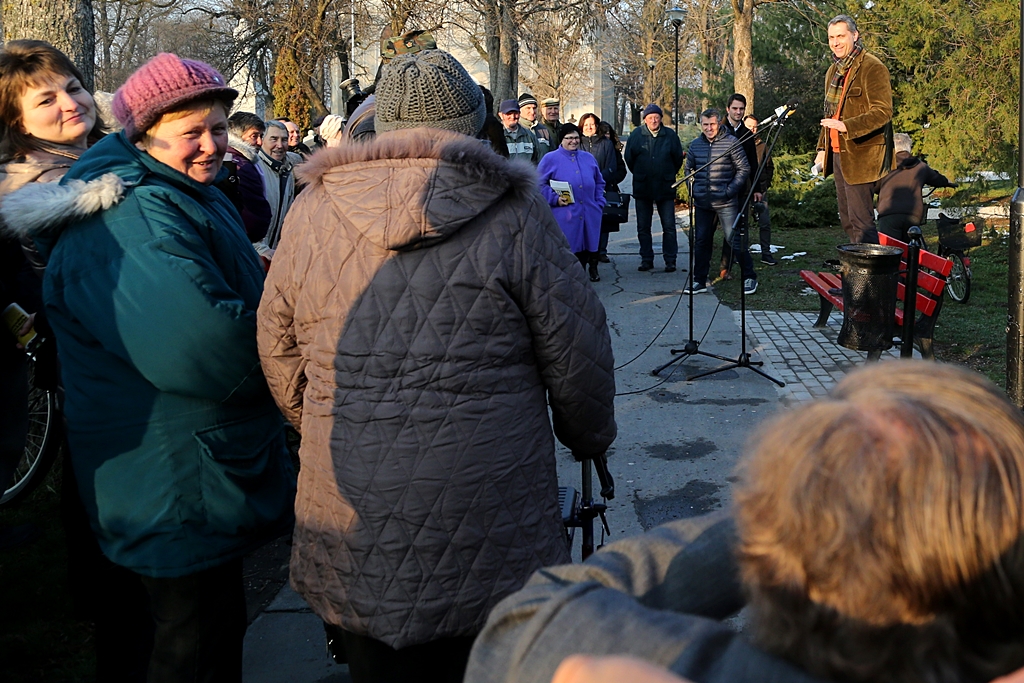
(422, 314)
(856, 132)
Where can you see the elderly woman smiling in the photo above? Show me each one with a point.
(580, 217)
(151, 289)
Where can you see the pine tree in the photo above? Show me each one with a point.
(955, 73)
(290, 100)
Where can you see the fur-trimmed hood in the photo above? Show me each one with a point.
(409, 188)
(242, 147)
(38, 209)
(37, 166)
(97, 182)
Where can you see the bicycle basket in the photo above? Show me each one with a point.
(955, 235)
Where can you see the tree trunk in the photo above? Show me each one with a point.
(502, 44)
(66, 24)
(742, 40)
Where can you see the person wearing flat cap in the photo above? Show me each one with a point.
(521, 142)
(654, 155)
(422, 313)
(151, 289)
(549, 109)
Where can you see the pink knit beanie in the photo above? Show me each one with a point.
(160, 85)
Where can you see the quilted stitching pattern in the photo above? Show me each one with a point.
(420, 314)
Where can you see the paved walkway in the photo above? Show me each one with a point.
(806, 358)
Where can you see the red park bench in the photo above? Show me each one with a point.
(929, 289)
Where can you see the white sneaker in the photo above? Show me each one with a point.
(749, 286)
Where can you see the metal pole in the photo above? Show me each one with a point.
(587, 486)
(675, 102)
(1015, 309)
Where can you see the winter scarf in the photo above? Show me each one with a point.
(834, 91)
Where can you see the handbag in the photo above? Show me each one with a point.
(616, 206)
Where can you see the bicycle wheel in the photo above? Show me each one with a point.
(958, 284)
(41, 445)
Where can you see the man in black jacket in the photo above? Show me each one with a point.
(735, 109)
(899, 192)
(715, 191)
(654, 155)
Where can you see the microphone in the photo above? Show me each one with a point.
(781, 111)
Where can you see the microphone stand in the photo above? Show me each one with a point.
(692, 346)
(743, 360)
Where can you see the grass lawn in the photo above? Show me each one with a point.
(973, 334)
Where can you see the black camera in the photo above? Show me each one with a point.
(352, 95)
(350, 88)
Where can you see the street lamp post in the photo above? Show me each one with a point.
(650, 79)
(676, 15)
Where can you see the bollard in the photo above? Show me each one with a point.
(870, 276)
(910, 291)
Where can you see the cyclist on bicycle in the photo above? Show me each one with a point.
(900, 205)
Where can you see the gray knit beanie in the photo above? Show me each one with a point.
(428, 89)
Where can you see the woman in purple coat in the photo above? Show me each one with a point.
(580, 216)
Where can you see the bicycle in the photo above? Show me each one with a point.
(45, 432)
(955, 242)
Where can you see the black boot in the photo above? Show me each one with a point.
(594, 276)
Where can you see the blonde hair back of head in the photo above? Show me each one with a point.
(873, 515)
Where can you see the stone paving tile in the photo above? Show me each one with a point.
(806, 358)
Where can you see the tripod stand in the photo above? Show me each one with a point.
(692, 346)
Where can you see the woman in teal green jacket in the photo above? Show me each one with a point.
(152, 288)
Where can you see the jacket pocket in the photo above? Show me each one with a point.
(246, 476)
(854, 91)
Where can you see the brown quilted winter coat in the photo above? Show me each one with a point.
(422, 310)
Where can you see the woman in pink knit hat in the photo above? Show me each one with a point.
(151, 289)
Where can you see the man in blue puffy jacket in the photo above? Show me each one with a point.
(720, 170)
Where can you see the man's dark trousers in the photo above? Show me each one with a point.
(856, 206)
(764, 226)
(187, 628)
(644, 219)
(703, 241)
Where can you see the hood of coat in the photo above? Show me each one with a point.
(96, 183)
(905, 160)
(242, 147)
(407, 189)
(38, 165)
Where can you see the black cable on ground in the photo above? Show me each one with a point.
(675, 367)
(663, 328)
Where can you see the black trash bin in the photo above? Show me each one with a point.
(870, 276)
